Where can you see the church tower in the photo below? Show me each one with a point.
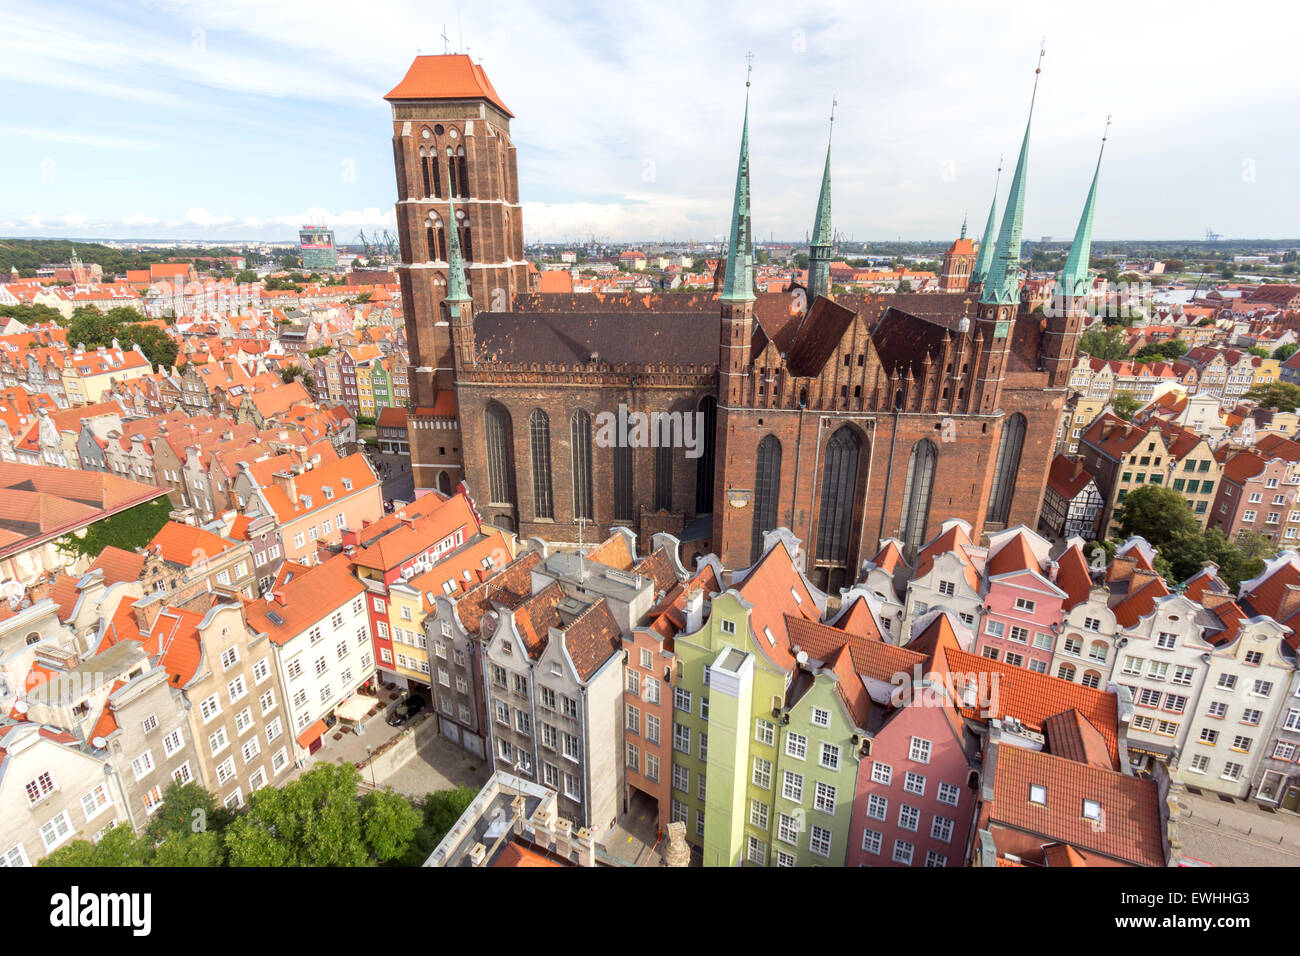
(451, 141)
(737, 301)
(821, 248)
(958, 262)
(999, 299)
(1065, 312)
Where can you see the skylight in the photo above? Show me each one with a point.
(1038, 794)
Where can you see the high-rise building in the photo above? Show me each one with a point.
(317, 246)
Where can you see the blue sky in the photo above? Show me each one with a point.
(233, 119)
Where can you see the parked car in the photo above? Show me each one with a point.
(406, 708)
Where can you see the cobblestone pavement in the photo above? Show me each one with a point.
(1237, 833)
(438, 765)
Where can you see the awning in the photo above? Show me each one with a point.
(354, 708)
(308, 736)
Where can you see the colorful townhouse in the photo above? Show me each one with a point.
(1122, 456)
(649, 675)
(441, 542)
(725, 758)
(1023, 606)
(1258, 490)
(914, 801)
(312, 507)
(412, 599)
(1276, 593)
(319, 636)
(453, 629)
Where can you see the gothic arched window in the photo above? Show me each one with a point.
(916, 496)
(580, 442)
(623, 507)
(1008, 464)
(708, 421)
(500, 455)
(663, 477)
(767, 491)
(839, 482)
(539, 433)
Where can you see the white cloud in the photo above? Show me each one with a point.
(138, 219)
(199, 216)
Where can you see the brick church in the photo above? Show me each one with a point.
(847, 418)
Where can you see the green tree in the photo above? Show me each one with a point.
(389, 823)
(313, 821)
(1284, 352)
(246, 276)
(441, 810)
(1161, 351)
(1257, 350)
(119, 847)
(32, 314)
(1156, 513)
(1125, 405)
(801, 260)
(1280, 395)
(1104, 343)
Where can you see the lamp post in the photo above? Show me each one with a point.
(369, 754)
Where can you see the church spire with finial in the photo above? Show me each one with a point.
(457, 287)
(985, 257)
(821, 248)
(1002, 285)
(738, 284)
(1073, 280)
(963, 225)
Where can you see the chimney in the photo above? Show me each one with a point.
(478, 854)
(1053, 569)
(286, 483)
(694, 609)
(585, 844)
(277, 597)
(1078, 468)
(1289, 603)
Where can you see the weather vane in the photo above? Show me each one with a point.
(749, 69)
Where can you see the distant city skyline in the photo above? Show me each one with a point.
(214, 123)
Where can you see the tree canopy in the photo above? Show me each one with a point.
(318, 819)
(93, 329)
(1125, 404)
(1280, 395)
(1164, 518)
(1161, 351)
(1104, 343)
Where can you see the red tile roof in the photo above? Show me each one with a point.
(452, 76)
(1032, 698)
(1129, 828)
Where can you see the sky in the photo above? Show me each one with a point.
(223, 120)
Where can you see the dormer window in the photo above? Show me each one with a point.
(347, 484)
(327, 491)
(1038, 794)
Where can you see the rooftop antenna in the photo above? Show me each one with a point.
(446, 42)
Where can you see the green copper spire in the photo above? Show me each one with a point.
(738, 286)
(963, 225)
(1073, 280)
(985, 257)
(1002, 286)
(457, 288)
(820, 249)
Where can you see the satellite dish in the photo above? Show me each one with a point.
(488, 626)
(99, 742)
(21, 706)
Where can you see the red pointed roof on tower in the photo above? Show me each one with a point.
(452, 76)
